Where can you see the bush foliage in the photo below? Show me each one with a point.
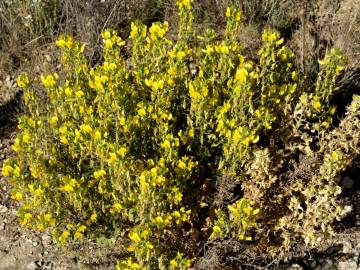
(133, 147)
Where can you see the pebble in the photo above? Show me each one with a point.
(3, 209)
(295, 266)
(35, 244)
(347, 248)
(32, 266)
(348, 265)
(2, 226)
(46, 239)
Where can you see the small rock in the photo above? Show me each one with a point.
(347, 248)
(32, 266)
(3, 208)
(295, 266)
(2, 226)
(347, 265)
(45, 253)
(46, 239)
(35, 244)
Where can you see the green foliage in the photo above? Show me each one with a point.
(121, 148)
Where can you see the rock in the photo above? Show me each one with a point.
(2, 226)
(295, 266)
(35, 244)
(3, 209)
(347, 248)
(32, 266)
(348, 265)
(46, 239)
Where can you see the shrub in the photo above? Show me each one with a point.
(126, 148)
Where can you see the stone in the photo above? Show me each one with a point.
(295, 266)
(348, 265)
(32, 266)
(3, 209)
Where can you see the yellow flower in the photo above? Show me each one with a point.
(47, 217)
(66, 188)
(182, 165)
(80, 232)
(339, 69)
(93, 217)
(186, 4)
(246, 141)
(23, 80)
(79, 94)
(135, 237)
(134, 30)
(193, 93)
(217, 230)
(181, 55)
(64, 140)
(166, 144)
(159, 220)
(335, 156)
(112, 158)
(38, 191)
(17, 196)
(16, 146)
(122, 151)
(178, 196)
(228, 12)
(241, 75)
(157, 31)
(68, 92)
(224, 49)
(191, 133)
(142, 112)
(100, 173)
(65, 234)
(97, 135)
(17, 171)
(108, 44)
(49, 80)
(64, 42)
(28, 216)
(255, 139)
(173, 263)
(53, 120)
(86, 128)
(98, 81)
(78, 235)
(7, 169)
(317, 105)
